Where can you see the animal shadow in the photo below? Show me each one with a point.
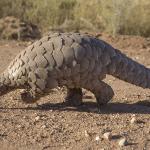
(111, 108)
(91, 107)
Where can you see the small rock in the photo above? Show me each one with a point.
(108, 135)
(11, 98)
(44, 135)
(137, 58)
(43, 126)
(123, 142)
(97, 138)
(133, 120)
(19, 126)
(24, 117)
(37, 118)
(86, 133)
(22, 90)
(29, 43)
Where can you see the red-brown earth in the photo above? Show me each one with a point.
(50, 126)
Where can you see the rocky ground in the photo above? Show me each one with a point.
(51, 126)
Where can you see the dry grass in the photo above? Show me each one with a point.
(113, 16)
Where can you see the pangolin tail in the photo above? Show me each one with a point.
(129, 70)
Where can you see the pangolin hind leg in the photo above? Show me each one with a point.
(102, 91)
(74, 97)
(105, 94)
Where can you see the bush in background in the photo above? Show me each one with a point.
(114, 16)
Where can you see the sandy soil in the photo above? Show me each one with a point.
(51, 126)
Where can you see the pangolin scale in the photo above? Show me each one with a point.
(73, 60)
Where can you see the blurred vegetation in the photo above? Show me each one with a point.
(113, 16)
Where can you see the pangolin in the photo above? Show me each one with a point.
(73, 60)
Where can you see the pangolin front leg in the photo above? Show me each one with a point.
(74, 96)
(30, 95)
(38, 87)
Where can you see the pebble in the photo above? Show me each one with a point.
(44, 126)
(137, 58)
(19, 126)
(123, 142)
(133, 115)
(37, 118)
(24, 117)
(97, 138)
(133, 120)
(43, 135)
(29, 43)
(11, 98)
(86, 133)
(107, 135)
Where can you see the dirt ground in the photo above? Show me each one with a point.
(51, 126)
